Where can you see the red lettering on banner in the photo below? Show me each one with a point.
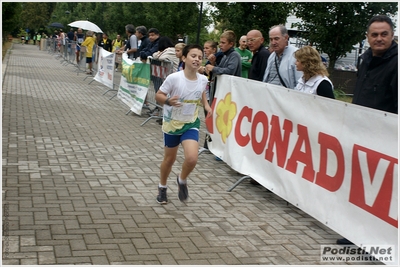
(259, 118)
(373, 172)
(300, 156)
(374, 187)
(243, 140)
(331, 183)
(281, 144)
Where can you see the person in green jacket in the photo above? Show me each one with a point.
(38, 38)
(246, 56)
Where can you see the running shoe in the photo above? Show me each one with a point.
(162, 196)
(183, 193)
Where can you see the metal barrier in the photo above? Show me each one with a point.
(118, 59)
(210, 94)
(69, 52)
(52, 45)
(159, 72)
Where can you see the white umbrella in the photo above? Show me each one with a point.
(85, 25)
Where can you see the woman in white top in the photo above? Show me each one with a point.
(315, 79)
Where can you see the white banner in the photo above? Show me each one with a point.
(334, 160)
(105, 74)
(135, 81)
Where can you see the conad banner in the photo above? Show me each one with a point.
(105, 74)
(135, 81)
(336, 161)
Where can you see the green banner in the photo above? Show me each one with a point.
(135, 81)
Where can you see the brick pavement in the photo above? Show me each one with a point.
(80, 179)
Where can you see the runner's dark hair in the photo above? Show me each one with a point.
(189, 47)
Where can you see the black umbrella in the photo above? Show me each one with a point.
(57, 25)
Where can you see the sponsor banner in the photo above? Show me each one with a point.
(135, 81)
(334, 160)
(105, 74)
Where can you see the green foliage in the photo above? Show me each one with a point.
(36, 15)
(334, 27)
(241, 17)
(170, 18)
(339, 93)
(11, 13)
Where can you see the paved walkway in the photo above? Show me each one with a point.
(80, 180)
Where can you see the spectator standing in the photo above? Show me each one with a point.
(178, 53)
(62, 41)
(141, 34)
(55, 40)
(105, 43)
(231, 62)
(315, 76)
(70, 39)
(212, 54)
(281, 69)
(116, 45)
(79, 38)
(89, 42)
(34, 39)
(166, 52)
(255, 42)
(131, 44)
(214, 58)
(70, 34)
(182, 93)
(377, 83)
(245, 55)
(154, 37)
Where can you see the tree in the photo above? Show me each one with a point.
(241, 17)
(170, 18)
(36, 15)
(11, 12)
(335, 27)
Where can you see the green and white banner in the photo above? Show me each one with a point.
(135, 81)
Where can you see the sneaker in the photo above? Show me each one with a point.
(162, 196)
(183, 193)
